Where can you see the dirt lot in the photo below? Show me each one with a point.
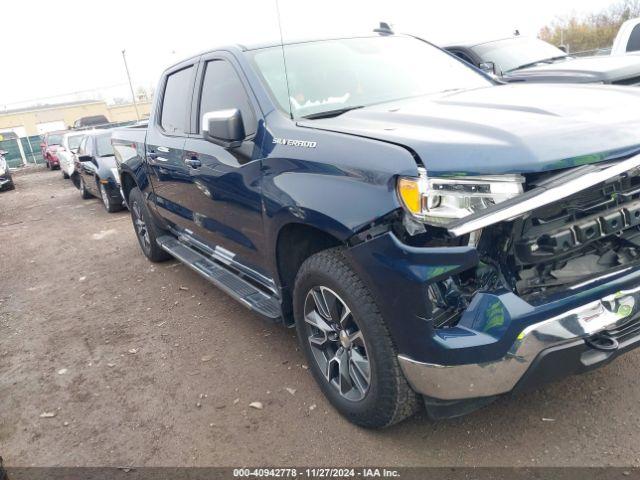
(144, 364)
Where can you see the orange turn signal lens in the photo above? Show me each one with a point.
(409, 193)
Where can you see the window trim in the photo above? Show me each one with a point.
(160, 106)
(199, 87)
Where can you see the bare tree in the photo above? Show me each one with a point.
(593, 31)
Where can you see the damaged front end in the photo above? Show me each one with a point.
(542, 266)
(558, 231)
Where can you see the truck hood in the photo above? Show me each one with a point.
(514, 128)
(607, 69)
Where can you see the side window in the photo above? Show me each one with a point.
(175, 103)
(222, 89)
(634, 40)
(81, 147)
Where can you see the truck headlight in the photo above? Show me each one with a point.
(3, 166)
(439, 200)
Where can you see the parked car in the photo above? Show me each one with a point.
(439, 238)
(90, 122)
(66, 152)
(95, 172)
(6, 180)
(523, 59)
(50, 144)
(628, 38)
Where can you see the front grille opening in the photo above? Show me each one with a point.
(590, 234)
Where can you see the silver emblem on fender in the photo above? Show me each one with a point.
(295, 143)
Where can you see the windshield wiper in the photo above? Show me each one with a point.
(533, 64)
(331, 113)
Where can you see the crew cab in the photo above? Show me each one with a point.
(524, 59)
(437, 238)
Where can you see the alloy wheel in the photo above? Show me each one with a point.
(337, 343)
(104, 195)
(140, 226)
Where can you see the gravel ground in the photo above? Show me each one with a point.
(109, 360)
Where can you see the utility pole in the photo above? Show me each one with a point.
(133, 95)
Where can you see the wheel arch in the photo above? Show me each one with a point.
(295, 243)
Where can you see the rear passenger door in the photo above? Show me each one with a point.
(227, 198)
(170, 176)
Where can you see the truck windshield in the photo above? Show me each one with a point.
(514, 53)
(338, 75)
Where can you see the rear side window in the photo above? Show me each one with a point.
(634, 40)
(177, 95)
(222, 89)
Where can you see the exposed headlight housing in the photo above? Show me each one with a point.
(440, 200)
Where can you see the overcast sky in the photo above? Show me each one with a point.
(52, 48)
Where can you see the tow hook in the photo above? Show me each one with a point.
(603, 342)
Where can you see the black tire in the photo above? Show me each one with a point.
(65, 175)
(388, 398)
(83, 189)
(110, 205)
(48, 165)
(148, 244)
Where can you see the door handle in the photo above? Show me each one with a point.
(152, 155)
(193, 162)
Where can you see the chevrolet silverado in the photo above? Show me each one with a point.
(437, 238)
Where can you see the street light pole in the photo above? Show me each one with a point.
(133, 95)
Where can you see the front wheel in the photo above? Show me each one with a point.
(65, 175)
(347, 344)
(110, 205)
(83, 189)
(146, 228)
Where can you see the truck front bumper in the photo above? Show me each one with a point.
(501, 342)
(578, 340)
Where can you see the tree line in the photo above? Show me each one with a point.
(580, 33)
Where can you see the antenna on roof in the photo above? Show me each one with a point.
(516, 33)
(384, 29)
(284, 60)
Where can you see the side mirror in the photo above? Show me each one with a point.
(85, 158)
(223, 127)
(488, 67)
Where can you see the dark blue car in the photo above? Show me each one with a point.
(437, 238)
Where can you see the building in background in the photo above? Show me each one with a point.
(20, 129)
(27, 122)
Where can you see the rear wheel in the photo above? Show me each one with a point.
(109, 203)
(146, 228)
(347, 344)
(83, 189)
(65, 175)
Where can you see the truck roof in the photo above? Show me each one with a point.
(242, 47)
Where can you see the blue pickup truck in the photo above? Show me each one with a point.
(437, 238)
